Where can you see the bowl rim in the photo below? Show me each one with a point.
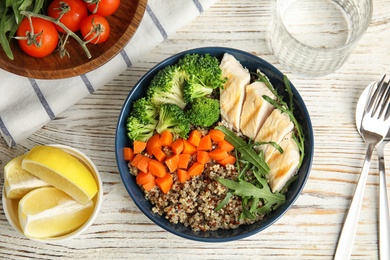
(99, 200)
(154, 217)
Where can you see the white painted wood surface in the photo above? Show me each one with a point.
(308, 231)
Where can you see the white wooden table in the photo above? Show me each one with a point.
(308, 231)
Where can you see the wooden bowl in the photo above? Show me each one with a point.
(124, 22)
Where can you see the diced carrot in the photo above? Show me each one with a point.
(128, 154)
(225, 145)
(143, 177)
(205, 143)
(143, 164)
(196, 169)
(182, 175)
(157, 168)
(166, 138)
(138, 146)
(216, 135)
(194, 137)
(159, 154)
(165, 182)
(188, 148)
(218, 154)
(149, 185)
(203, 157)
(184, 160)
(172, 162)
(136, 159)
(153, 142)
(177, 146)
(230, 159)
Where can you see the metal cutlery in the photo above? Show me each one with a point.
(384, 214)
(374, 126)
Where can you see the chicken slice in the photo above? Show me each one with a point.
(283, 166)
(274, 129)
(255, 109)
(233, 94)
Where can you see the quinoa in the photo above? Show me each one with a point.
(193, 202)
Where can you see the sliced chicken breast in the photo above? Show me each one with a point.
(233, 94)
(275, 128)
(255, 109)
(283, 166)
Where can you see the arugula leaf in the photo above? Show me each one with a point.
(246, 151)
(248, 190)
(277, 146)
(224, 201)
(4, 28)
(231, 137)
(249, 161)
(248, 154)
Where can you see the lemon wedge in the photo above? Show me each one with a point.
(17, 181)
(61, 170)
(49, 212)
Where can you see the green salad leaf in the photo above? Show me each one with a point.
(251, 185)
(246, 189)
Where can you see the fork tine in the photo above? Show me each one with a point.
(379, 98)
(373, 94)
(376, 97)
(386, 100)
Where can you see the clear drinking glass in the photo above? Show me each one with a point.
(316, 37)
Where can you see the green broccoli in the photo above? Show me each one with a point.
(203, 112)
(167, 87)
(172, 118)
(136, 130)
(144, 110)
(203, 75)
(193, 88)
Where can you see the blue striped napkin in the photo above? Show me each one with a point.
(27, 104)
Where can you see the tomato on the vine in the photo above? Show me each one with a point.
(104, 7)
(70, 12)
(38, 39)
(95, 29)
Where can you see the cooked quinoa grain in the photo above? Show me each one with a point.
(193, 203)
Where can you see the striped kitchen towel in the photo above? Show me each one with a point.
(27, 104)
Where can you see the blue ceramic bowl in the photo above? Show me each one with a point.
(252, 63)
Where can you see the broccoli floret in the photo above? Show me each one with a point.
(203, 75)
(194, 88)
(167, 87)
(172, 118)
(203, 112)
(144, 110)
(136, 130)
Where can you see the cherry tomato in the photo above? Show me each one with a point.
(104, 7)
(95, 29)
(45, 34)
(72, 13)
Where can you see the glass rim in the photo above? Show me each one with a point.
(348, 45)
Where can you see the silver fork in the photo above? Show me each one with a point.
(384, 217)
(374, 126)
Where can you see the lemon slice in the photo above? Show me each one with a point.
(61, 170)
(17, 181)
(49, 212)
